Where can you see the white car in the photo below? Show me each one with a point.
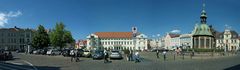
(87, 53)
(116, 55)
(53, 52)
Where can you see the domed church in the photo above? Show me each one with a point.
(203, 37)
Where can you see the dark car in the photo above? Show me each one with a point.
(97, 54)
(80, 52)
(66, 52)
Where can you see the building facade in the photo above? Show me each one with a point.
(172, 41)
(117, 41)
(228, 40)
(80, 44)
(15, 38)
(186, 41)
(203, 37)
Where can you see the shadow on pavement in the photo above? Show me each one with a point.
(236, 67)
(10, 66)
(47, 68)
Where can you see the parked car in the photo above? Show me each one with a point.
(80, 52)
(97, 54)
(87, 53)
(115, 55)
(19, 51)
(66, 52)
(36, 51)
(53, 52)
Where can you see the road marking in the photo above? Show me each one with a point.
(6, 68)
(14, 66)
(15, 63)
(30, 64)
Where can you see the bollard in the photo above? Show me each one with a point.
(174, 56)
(164, 56)
(183, 56)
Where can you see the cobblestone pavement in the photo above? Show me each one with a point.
(149, 62)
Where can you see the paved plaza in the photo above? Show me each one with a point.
(149, 62)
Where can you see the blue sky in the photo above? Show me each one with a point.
(152, 17)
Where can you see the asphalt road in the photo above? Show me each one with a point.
(149, 62)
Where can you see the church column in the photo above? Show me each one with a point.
(205, 46)
(199, 42)
(194, 42)
(210, 42)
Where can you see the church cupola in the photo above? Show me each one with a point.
(203, 15)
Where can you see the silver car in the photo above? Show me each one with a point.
(115, 55)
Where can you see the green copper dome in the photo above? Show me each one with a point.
(202, 29)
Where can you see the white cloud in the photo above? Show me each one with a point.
(175, 31)
(4, 17)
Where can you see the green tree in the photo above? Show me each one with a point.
(59, 36)
(40, 38)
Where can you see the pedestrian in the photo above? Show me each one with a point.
(157, 53)
(76, 55)
(127, 55)
(137, 57)
(131, 55)
(106, 56)
(164, 55)
(72, 55)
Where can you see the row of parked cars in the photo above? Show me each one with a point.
(67, 52)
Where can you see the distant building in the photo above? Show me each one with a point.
(117, 40)
(186, 41)
(80, 44)
(228, 40)
(203, 36)
(156, 43)
(15, 38)
(172, 41)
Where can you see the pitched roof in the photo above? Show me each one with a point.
(114, 34)
(174, 35)
(219, 35)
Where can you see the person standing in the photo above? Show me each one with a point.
(137, 57)
(157, 53)
(164, 55)
(127, 55)
(131, 55)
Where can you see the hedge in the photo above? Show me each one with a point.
(205, 50)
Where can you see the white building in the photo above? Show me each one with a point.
(117, 41)
(186, 41)
(228, 40)
(157, 42)
(172, 41)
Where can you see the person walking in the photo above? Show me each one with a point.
(157, 53)
(72, 55)
(106, 56)
(76, 55)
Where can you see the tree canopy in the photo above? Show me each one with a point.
(40, 38)
(59, 36)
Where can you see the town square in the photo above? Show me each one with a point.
(119, 35)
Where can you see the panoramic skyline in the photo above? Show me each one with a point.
(152, 17)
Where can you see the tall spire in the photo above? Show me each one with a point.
(203, 16)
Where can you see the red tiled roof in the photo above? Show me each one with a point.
(114, 34)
